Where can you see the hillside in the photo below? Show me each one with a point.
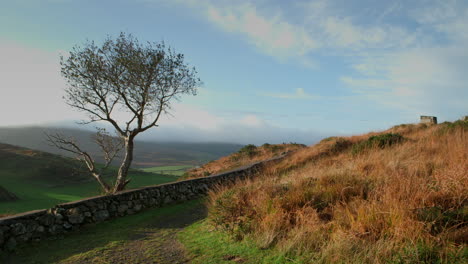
(40, 180)
(247, 155)
(396, 196)
(35, 165)
(6, 196)
(146, 154)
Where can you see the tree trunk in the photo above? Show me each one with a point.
(122, 181)
(103, 184)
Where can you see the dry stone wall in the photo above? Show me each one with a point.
(63, 218)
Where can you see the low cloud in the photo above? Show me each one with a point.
(299, 93)
(189, 123)
(235, 133)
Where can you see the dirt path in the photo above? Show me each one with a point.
(152, 240)
(157, 242)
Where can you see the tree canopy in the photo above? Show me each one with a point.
(127, 84)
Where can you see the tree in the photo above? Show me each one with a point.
(126, 84)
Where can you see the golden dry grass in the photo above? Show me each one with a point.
(247, 155)
(400, 203)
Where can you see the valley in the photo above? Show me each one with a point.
(39, 179)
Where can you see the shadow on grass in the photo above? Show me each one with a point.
(89, 243)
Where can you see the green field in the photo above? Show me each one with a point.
(169, 170)
(38, 195)
(41, 180)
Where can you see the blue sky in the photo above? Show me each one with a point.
(272, 70)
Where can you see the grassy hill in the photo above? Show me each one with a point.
(397, 196)
(147, 154)
(6, 196)
(246, 155)
(41, 180)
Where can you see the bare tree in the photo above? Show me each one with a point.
(110, 147)
(123, 76)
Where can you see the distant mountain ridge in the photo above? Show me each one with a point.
(146, 154)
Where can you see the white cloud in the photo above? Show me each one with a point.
(318, 27)
(299, 93)
(270, 34)
(420, 80)
(457, 29)
(252, 121)
(435, 12)
(404, 67)
(343, 33)
(247, 129)
(186, 116)
(427, 78)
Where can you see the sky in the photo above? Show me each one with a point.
(273, 71)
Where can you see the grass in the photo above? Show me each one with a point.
(398, 201)
(97, 243)
(404, 203)
(39, 194)
(381, 141)
(246, 155)
(209, 246)
(168, 170)
(50, 179)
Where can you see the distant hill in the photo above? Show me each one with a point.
(28, 164)
(6, 196)
(32, 179)
(147, 154)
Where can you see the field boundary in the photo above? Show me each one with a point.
(50, 223)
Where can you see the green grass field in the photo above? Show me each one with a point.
(41, 180)
(169, 170)
(40, 195)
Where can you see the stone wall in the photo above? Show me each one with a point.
(42, 224)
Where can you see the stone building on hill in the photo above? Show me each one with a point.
(429, 120)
